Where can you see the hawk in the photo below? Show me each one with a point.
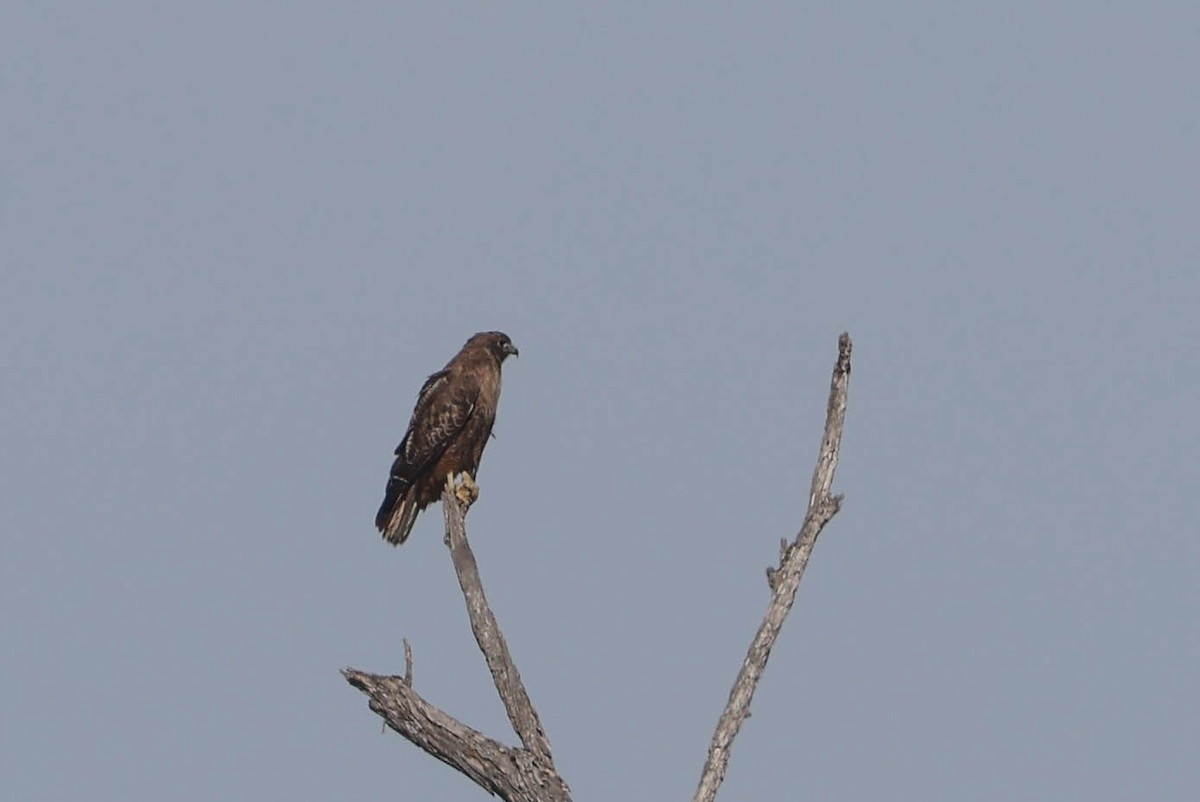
(449, 428)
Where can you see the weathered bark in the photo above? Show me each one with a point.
(524, 774)
(783, 580)
(521, 713)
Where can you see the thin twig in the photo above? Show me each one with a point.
(408, 671)
(784, 582)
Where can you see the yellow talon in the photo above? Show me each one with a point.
(468, 491)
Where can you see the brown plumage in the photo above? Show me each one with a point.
(447, 432)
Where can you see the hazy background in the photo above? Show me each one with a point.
(236, 237)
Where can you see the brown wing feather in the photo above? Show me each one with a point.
(444, 406)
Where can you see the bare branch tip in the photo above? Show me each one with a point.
(408, 663)
(357, 679)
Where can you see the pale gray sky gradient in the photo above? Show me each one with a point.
(236, 237)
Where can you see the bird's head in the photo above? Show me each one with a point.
(498, 343)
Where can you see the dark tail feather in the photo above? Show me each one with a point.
(398, 512)
(402, 522)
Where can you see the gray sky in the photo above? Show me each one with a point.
(237, 237)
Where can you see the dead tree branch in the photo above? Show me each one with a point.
(521, 713)
(526, 774)
(784, 581)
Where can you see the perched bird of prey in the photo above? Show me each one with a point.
(447, 433)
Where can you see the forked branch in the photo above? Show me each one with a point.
(524, 774)
(784, 581)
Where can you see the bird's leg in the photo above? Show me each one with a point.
(468, 491)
